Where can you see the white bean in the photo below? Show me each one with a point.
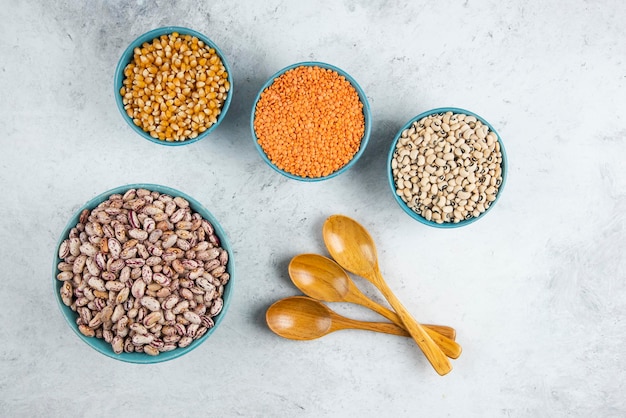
(447, 167)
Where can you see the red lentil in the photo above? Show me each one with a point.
(309, 121)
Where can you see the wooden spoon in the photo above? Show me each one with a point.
(323, 279)
(353, 248)
(303, 318)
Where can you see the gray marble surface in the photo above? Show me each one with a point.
(536, 289)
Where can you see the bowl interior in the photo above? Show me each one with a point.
(99, 344)
(366, 114)
(392, 184)
(127, 57)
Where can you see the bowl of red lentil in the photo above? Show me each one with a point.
(173, 85)
(311, 121)
(447, 167)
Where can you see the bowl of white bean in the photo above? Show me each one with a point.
(143, 273)
(447, 167)
(173, 85)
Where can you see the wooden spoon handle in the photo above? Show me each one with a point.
(341, 322)
(433, 353)
(449, 347)
(446, 331)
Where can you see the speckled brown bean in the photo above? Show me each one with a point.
(185, 341)
(138, 289)
(216, 307)
(152, 319)
(151, 303)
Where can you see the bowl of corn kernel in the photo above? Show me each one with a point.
(447, 167)
(173, 85)
(311, 121)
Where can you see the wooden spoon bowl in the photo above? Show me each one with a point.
(302, 318)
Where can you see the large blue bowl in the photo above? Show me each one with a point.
(417, 216)
(366, 114)
(99, 344)
(127, 57)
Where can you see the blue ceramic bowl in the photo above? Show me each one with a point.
(415, 215)
(127, 57)
(99, 344)
(366, 113)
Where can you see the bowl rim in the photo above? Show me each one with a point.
(99, 344)
(392, 185)
(367, 115)
(126, 57)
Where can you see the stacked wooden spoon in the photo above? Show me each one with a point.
(322, 279)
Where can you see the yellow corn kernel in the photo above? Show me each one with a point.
(175, 87)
